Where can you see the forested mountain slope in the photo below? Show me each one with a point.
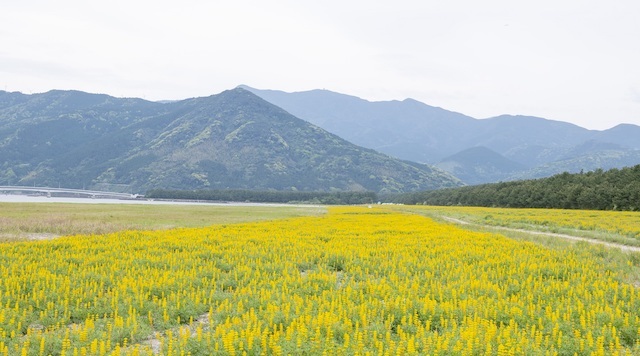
(616, 189)
(233, 140)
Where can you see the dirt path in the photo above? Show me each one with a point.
(563, 236)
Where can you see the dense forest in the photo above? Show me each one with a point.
(616, 189)
(266, 196)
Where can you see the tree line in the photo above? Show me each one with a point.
(337, 198)
(616, 189)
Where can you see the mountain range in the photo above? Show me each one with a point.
(316, 140)
(233, 140)
(501, 148)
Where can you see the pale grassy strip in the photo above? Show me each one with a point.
(34, 221)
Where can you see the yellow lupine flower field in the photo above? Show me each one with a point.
(356, 281)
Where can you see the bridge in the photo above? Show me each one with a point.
(67, 192)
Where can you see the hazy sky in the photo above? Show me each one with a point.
(573, 60)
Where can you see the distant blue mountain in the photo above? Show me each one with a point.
(479, 165)
(415, 131)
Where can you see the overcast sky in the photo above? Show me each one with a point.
(574, 60)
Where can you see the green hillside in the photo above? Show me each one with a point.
(233, 140)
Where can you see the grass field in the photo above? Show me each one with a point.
(45, 220)
(350, 281)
